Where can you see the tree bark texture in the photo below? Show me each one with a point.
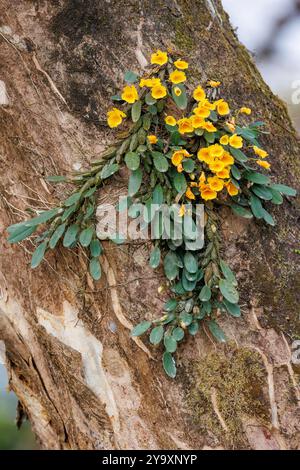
(80, 378)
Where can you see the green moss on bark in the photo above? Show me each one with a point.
(238, 379)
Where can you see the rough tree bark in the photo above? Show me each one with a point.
(80, 379)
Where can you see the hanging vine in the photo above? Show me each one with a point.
(183, 149)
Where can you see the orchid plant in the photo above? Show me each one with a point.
(181, 146)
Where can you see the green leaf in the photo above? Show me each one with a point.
(179, 261)
(68, 212)
(257, 124)
(213, 116)
(156, 335)
(108, 170)
(132, 160)
(178, 289)
(229, 291)
(256, 207)
(86, 236)
(255, 177)
(56, 236)
(142, 135)
(155, 258)
(149, 100)
(268, 218)
(170, 266)
(141, 149)
(89, 212)
(38, 254)
(15, 228)
(233, 309)
(205, 294)
(171, 128)
(262, 192)
(135, 181)
(210, 137)
(130, 77)
(194, 244)
(206, 309)
(170, 343)
(95, 269)
(169, 365)
(189, 286)
(95, 248)
(182, 100)
(190, 276)
(236, 184)
(134, 142)
(188, 165)
(56, 179)
(241, 211)
(238, 155)
(190, 262)
(236, 172)
(193, 328)
(116, 98)
(158, 195)
(89, 192)
(73, 199)
(186, 318)
(147, 121)
(228, 273)
(216, 331)
(180, 183)
(160, 162)
(178, 333)
(176, 243)
(136, 111)
(141, 328)
(283, 189)
(247, 133)
(170, 305)
(169, 319)
(189, 305)
(152, 109)
(21, 234)
(175, 138)
(42, 218)
(190, 231)
(70, 235)
(43, 236)
(276, 197)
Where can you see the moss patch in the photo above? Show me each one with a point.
(238, 378)
(279, 296)
(183, 39)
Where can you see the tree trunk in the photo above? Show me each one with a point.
(80, 378)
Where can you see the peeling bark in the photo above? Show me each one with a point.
(82, 381)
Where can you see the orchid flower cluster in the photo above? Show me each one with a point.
(181, 145)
